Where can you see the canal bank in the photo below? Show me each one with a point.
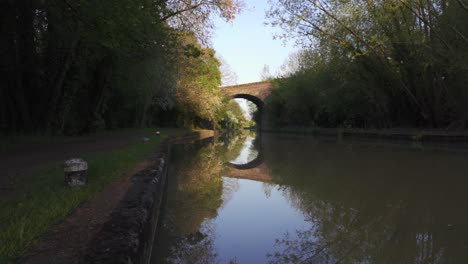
(129, 234)
(416, 135)
(65, 237)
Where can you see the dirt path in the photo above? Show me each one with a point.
(21, 160)
(67, 241)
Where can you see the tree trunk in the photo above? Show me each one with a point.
(19, 96)
(101, 86)
(7, 64)
(58, 82)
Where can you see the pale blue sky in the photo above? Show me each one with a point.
(246, 44)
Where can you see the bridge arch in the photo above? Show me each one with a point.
(249, 165)
(256, 92)
(255, 169)
(257, 101)
(255, 162)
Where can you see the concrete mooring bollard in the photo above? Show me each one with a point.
(76, 172)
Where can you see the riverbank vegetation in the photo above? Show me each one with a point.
(373, 64)
(77, 67)
(43, 200)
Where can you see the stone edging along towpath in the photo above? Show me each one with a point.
(129, 234)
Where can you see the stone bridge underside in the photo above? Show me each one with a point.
(255, 92)
(260, 173)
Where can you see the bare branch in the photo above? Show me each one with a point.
(463, 5)
(178, 12)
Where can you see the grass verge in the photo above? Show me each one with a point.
(43, 200)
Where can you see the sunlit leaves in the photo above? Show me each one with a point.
(195, 15)
(421, 39)
(198, 81)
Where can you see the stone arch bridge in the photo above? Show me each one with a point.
(256, 92)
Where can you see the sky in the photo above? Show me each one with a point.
(246, 44)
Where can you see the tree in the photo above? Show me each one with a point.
(228, 75)
(198, 81)
(195, 15)
(399, 52)
(265, 73)
(74, 67)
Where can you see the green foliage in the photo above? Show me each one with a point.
(231, 116)
(198, 96)
(373, 64)
(77, 67)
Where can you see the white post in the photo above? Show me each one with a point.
(76, 172)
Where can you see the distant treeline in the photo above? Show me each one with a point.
(373, 64)
(70, 67)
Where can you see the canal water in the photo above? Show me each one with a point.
(275, 198)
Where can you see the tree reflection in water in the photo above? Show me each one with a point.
(368, 204)
(198, 191)
(363, 202)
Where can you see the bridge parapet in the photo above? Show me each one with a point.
(260, 90)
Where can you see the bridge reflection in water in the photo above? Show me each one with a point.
(250, 169)
(318, 201)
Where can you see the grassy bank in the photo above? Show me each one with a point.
(43, 200)
(11, 142)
